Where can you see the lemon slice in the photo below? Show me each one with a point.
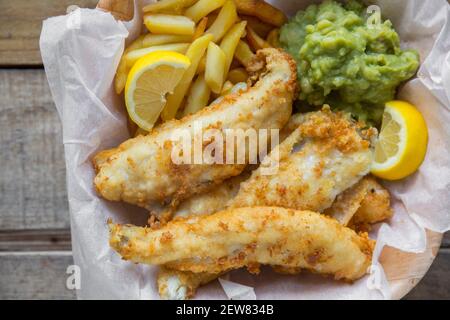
(402, 142)
(151, 79)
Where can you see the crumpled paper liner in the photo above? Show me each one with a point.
(81, 52)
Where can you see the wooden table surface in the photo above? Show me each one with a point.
(34, 218)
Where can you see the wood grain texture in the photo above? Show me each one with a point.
(32, 176)
(35, 275)
(21, 24)
(35, 240)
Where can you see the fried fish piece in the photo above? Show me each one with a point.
(248, 237)
(364, 204)
(325, 155)
(348, 203)
(358, 207)
(322, 155)
(375, 207)
(210, 202)
(141, 171)
(181, 285)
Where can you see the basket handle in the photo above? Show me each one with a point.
(120, 9)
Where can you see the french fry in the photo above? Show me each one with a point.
(243, 53)
(202, 66)
(255, 41)
(237, 75)
(200, 29)
(230, 42)
(121, 76)
(136, 44)
(261, 28)
(215, 67)
(273, 37)
(151, 40)
(132, 56)
(202, 8)
(211, 18)
(198, 97)
(123, 70)
(226, 18)
(169, 24)
(262, 10)
(167, 6)
(195, 53)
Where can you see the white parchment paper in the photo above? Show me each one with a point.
(81, 52)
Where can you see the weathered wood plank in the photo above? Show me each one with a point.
(35, 275)
(436, 283)
(32, 178)
(35, 240)
(42, 275)
(21, 24)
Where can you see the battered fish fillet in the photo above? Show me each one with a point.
(248, 237)
(364, 204)
(210, 202)
(325, 155)
(332, 157)
(181, 285)
(375, 207)
(141, 170)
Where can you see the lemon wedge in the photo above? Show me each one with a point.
(402, 142)
(151, 79)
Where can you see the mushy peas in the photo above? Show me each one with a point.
(346, 58)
